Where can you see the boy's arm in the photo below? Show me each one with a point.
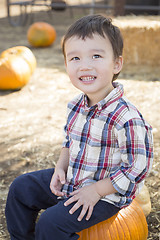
(104, 187)
(63, 160)
(59, 175)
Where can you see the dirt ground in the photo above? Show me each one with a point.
(31, 120)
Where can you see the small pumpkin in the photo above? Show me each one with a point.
(143, 198)
(41, 34)
(16, 67)
(129, 224)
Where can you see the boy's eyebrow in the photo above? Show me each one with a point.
(92, 50)
(71, 53)
(98, 50)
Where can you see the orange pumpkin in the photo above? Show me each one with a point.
(41, 34)
(129, 224)
(16, 67)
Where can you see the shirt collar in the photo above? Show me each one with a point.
(113, 96)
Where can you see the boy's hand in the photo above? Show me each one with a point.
(86, 197)
(57, 181)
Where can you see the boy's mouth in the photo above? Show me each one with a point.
(87, 79)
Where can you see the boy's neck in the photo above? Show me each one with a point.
(93, 100)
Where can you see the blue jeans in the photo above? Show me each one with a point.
(30, 193)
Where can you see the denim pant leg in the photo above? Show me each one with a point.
(28, 194)
(57, 224)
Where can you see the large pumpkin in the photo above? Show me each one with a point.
(129, 224)
(41, 34)
(16, 67)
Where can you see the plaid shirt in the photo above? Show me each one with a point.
(108, 140)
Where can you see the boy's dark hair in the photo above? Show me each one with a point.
(91, 24)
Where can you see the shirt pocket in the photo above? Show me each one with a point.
(95, 136)
(102, 137)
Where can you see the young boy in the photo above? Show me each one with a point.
(107, 151)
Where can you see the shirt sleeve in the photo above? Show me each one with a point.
(135, 142)
(72, 107)
(66, 140)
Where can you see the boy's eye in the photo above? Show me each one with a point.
(96, 56)
(75, 58)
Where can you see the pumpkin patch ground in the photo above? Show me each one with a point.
(31, 119)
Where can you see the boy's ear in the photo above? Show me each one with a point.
(118, 64)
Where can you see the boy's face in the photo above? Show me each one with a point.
(90, 65)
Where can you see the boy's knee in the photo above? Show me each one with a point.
(17, 186)
(20, 189)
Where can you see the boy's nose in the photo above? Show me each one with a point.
(85, 65)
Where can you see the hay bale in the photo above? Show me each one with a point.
(141, 42)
